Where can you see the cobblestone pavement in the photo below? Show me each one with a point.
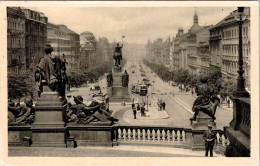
(116, 151)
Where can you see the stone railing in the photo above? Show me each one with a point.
(164, 136)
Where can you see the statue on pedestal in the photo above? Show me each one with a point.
(125, 79)
(118, 55)
(21, 114)
(206, 101)
(51, 71)
(109, 79)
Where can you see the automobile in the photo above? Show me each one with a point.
(146, 81)
(95, 87)
(174, 84)
(143, 75)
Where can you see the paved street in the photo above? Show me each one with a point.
(178, 106)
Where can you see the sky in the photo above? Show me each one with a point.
(137, 24)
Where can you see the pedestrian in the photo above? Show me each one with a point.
(209, 137)
(138, 107)
(134, 111)
(142, 110)
(158, 104)
(163, 105)
(228, 102)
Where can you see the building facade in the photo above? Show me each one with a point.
(36, 37)
(224, 39)
(16, 54)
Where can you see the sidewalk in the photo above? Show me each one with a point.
(116, 151)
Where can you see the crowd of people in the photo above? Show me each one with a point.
(161, 105)
(139, 108)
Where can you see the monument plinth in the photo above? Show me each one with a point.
(118, 92)
(93, 134)
(198, 128)
(49, 128)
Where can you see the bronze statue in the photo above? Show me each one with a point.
(18, 114)
(206, 101)
(51, 71)
(125, 79)
(118, 55)
(84, 114)
(109, 79)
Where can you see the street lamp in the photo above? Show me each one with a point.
(240, 91)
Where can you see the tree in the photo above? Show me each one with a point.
(20, 86)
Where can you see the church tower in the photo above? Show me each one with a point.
(195, 18)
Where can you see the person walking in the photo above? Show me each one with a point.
(142, 110)
(163, 105)
(138, 107)
(134, 110)
(209, 137)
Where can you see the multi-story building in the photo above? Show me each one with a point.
(224, 45)
(176, 50)
(105, 48)
(72, 51)
(88, 48)
(59, 39)
(36, 37)
(166, 52)
(16, 41)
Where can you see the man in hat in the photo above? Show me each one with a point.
(209, 137)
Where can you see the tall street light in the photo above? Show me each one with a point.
(240, 91)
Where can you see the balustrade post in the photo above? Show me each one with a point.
(153, 135)
(134, 134)
(188, 138)
(158, 135)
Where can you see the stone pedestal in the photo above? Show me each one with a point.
(118, 93)
(17, 135)
(49, 128)
(239, 131)
(93, 134)
(198, 129)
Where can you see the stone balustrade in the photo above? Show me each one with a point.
(164, 136)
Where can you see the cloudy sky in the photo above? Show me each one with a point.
(137, 24)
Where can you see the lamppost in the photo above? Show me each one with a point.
(240, 91)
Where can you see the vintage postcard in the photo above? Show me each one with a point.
(127, 82)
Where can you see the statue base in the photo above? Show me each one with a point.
(118, 93)
(198, 129)
(93, 134)
(19, 135)
(49, 128)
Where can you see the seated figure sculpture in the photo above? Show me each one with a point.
(206, 101)
(85, 113)
(51, 71)
(21, 114)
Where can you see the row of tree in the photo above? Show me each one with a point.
(92, 74)
(223, 86)
(24, 84)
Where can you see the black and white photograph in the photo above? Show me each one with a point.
(110, 79)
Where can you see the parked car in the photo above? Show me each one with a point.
(95, 87)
